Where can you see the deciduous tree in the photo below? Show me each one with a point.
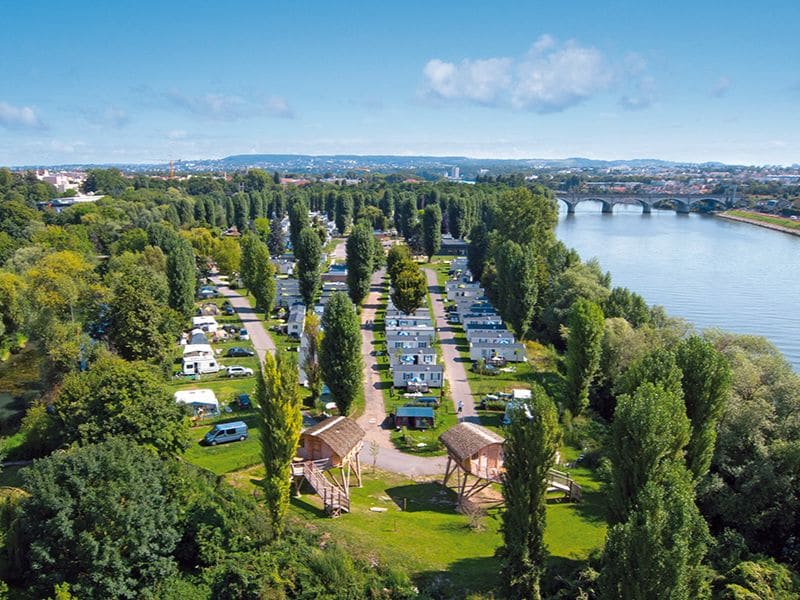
(340, 351)
(311, 366)
(531, 443)
(308, 253)
(359, 262)
(432, 229)
(279, 409)
(584, 347)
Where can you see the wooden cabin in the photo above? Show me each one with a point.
(331, 445)
(476, 450)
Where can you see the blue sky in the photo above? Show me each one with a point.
(153, 81)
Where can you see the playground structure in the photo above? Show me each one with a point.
(475, 456)
(330, 446)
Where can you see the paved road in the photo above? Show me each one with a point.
(262, 342)
(453, 362)
(339, 253)
(373, 421)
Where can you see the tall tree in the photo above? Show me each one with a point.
(527, 216)
(280, 419)
(344, 212)
(706, 385)
(532, 440)
(228, 255)
(340, 351)
(311, 366)
(409, 288)
(477, 250)
(241, 211)
(309, 254)
(657, 367)
(648, 435)
(515, 287)
(584, 347)
(262, 227)
(396, 258)
(247, 265)
(658, 551)
(432, 229)
(276, 242)
(386, 203)
(182, 277)
(359, 262)
(263, 285)
(298, 220)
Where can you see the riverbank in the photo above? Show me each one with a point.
(761, 223)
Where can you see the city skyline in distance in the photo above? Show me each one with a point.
(682, 83)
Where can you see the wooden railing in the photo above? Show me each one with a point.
(562, 481)
(333, 498)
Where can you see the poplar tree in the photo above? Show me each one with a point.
(276, 242)
(532, 439)
(477, 250)
(309, 254)
(706, 384)
(584, 346)
(264, 286)
(311, 366)
(360, 250)
(182, 277)
(432, 229)
(340, 351)
(516, 289)
(648, 434)
(298, 220)
(280, 422)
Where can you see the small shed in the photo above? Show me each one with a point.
(334, 443)
(472, 451)
(414, 417)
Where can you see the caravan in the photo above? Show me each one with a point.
(199, 402)
(198, 359)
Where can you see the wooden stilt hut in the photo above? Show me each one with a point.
(328, 447)
(476, 452)
(472, 451)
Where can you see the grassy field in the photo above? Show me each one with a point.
(429, 538)
(771, 219)
(226, 457)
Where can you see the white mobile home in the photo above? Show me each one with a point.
(420, 376)
(508, 350)
(398, 340)
(485, 336)
(295, 323)
(412, 356)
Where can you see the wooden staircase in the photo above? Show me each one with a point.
(333, 497)
(560, 481)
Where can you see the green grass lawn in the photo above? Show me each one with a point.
(430, 539)
(226, 457)
(772, 219)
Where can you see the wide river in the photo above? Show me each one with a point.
(712, 272)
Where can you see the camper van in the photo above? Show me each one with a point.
(226, 432)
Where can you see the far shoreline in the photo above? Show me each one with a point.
(790, 231)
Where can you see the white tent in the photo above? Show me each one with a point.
(204, 399)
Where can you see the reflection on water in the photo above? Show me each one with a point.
(712, 272)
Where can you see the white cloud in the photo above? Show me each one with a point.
(720, 87)
(19, 117)
(643, 95)
(550, 77)
(226, 107)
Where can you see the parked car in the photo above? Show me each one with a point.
(226, 432)
(243, 335)
(238, 351)
(229, 310)
(239, 371)
(243, 400)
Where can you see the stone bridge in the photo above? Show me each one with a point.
(681, 202)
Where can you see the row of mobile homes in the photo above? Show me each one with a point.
(205, 322)
(287, 292)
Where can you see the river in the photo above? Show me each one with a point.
(712, 272)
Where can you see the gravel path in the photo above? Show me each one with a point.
(453, 362)
(262, 342)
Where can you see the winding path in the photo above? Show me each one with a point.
(262, 342)
(453, 362)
